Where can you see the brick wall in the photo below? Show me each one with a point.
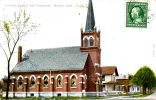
(52, 82)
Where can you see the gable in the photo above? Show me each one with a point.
(109, 70)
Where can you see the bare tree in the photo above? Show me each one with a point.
(13, 31)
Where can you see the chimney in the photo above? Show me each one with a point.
(19, 54)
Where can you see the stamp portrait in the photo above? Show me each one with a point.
(136, 14)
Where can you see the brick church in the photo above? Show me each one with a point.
(66, 71)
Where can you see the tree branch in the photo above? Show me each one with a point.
(13, 32)
(4, 51)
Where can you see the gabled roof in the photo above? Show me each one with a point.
(109, 70)
(56, 59)
(90, 21)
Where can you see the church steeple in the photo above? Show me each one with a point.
(90, 37)
(90, 21)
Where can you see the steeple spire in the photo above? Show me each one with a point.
(90, 21)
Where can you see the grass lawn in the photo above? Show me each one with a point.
(0, 95)
(135, 95)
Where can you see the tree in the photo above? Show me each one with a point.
(13, 31)
(130, 76)
(4, 83)
(144, 77)
(1, 84)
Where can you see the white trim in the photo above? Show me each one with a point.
(73, 87)
(98, 74)
(43, 81)
(45, 76)
(59, 87)
(32, 85)
(85, 77)
(32, 76)
(85, 37)
(45, 87)
(38, 76)
(25, 77)
(51, 94)
(98, 79)
(61, 79)
(66, 76)
(90, 37)
(19, 77)
(59, 75)
(81, 76)
(96, 64)
(80, 82)
(73, 75)
(13, 77)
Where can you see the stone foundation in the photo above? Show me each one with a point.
(51, 94)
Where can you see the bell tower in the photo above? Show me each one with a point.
(90, 38)
(90, 43)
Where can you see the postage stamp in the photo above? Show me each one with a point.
(136, 14)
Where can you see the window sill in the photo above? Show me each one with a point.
(59, 87)
(73, 87)
(32, 87)
(45, 87)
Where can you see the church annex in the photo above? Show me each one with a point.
(66, 71)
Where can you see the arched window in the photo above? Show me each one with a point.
(59, 81)
(85, 42)
(91, 40)
(73, 81)
(32, 81)
(45, 81)
(20, 82)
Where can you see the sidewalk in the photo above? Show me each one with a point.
(151, 97)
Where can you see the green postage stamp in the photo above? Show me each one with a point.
(136, 14)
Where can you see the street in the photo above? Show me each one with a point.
(150, 97)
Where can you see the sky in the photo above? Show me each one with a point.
(60, 21)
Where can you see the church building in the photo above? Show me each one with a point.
(66, 71)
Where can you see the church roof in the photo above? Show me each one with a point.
(65, 58)
(90, 21)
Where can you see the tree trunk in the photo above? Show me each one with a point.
(149, 90)
(144, 90)
(8, 81)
